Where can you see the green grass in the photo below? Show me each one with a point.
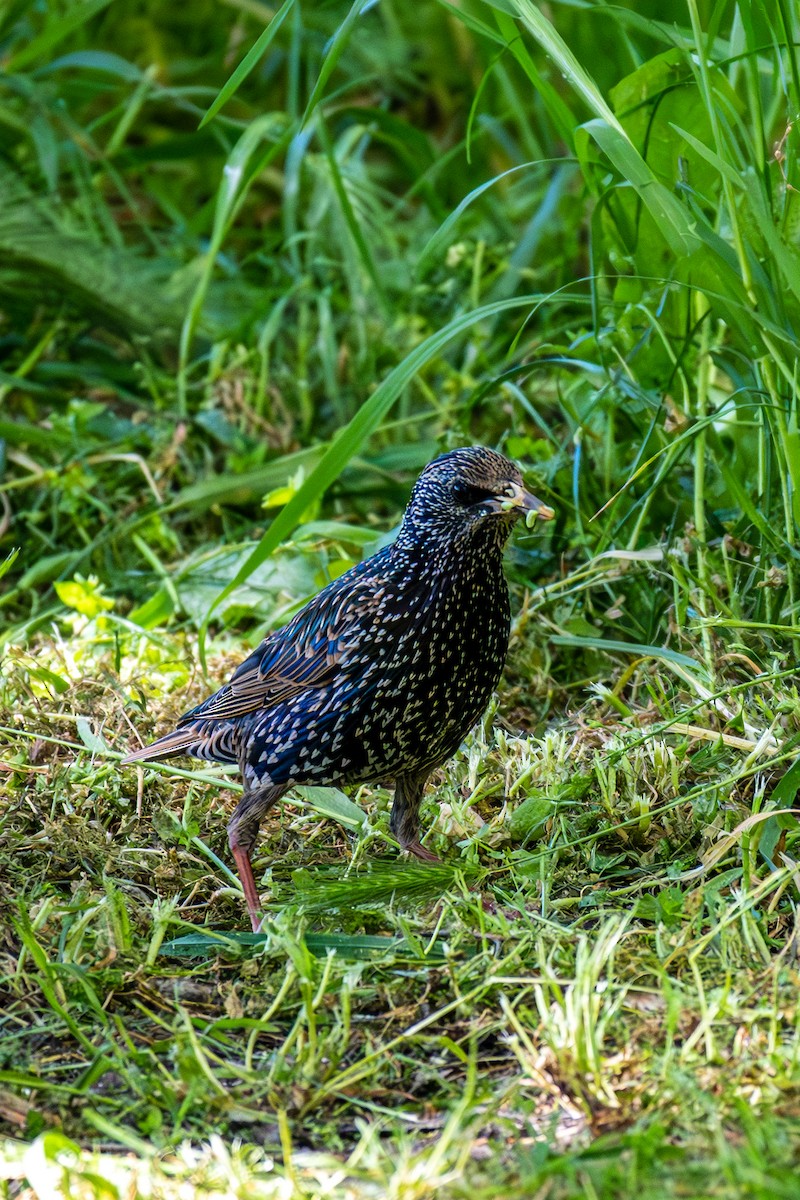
(257, 266)
(598, 988)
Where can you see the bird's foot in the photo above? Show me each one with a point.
(420, 851)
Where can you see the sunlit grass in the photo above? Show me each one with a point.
(568, 971)
(253, 277)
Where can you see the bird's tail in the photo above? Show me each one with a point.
(217, 741)
(180, 741)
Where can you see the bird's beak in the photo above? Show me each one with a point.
(518, 498)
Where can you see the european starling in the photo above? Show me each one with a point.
(382, 674)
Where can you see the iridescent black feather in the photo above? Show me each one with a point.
(382, 674)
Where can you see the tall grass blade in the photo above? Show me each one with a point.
(248, 63)
(333, 53)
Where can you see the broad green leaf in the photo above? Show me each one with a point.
(91, 740)
(84, 595)
(337, 531)
(155, 611)
(95, 60)
(784, 794)
(615, 647)
(330, 802)
(48, 677)
(528, 821)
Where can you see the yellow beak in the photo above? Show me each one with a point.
(527, 503)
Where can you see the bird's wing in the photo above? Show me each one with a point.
(309, 652)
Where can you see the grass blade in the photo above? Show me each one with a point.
(248, 63)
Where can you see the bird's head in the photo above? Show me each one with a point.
(470, 490)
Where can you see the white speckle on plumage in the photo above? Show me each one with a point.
(382, 674)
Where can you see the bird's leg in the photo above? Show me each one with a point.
(404, 822)
(242, 834)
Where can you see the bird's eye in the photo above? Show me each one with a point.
(469, 493)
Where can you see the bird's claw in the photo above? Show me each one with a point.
(421, 852)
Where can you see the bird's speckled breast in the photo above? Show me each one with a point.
(446, 666)
(410, 683)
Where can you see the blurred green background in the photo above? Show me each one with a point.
(230, 234)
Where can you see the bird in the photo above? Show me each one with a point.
(381, 675)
